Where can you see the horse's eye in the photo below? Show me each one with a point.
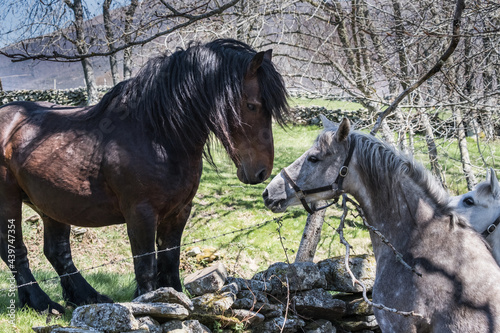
(469, 201)
(251, 107)
(313, 159)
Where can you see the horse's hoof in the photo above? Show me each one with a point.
(49, 307)
(103, 299)
(94, 299)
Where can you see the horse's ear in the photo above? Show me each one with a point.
(327, 124)
(495, 186)
(256, 62)
(268, 54)
(343, 130)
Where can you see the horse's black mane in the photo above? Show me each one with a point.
(195, 91)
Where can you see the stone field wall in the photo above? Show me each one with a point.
(77, 96)
(301, 297)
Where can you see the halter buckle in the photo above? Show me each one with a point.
(491, 228)
(300, 195)
(344, 170)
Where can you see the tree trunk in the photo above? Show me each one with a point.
(464, 152)
(88, 72)
(432, 150)
(127, 36)
(82, 48)
(401, 131)
(311, 235)
(110, 37)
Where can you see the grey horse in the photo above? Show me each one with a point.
(459, 286)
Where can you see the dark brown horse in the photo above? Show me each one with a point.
(134, 158)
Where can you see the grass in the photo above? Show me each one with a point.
(222, 205)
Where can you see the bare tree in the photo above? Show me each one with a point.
(56, 36)
(82, 47)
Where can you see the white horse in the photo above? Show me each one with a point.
(481, 207)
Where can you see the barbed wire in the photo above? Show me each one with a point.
(114, 262)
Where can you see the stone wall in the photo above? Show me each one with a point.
(77, 96)
(301, 297)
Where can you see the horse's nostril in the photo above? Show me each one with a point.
(262, 175)
(265, 194)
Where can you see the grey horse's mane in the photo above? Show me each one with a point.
(384, 165)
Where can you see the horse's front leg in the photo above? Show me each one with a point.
(76, 290)
(168, 240)
(141, 228)
(13, 250)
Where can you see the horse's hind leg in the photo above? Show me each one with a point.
(12, 248)
(76, 290)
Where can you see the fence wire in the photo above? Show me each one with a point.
(114, 262)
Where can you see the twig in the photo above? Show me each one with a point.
(278, 229)
(340, 231)
(287, 303)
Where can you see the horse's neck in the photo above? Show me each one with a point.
(396, 211)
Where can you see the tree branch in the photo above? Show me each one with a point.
(60, 57)
(459, 7)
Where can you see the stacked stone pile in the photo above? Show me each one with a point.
(299, 297)
(309, 115)
(77, 96)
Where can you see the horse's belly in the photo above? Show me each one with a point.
(73, 208)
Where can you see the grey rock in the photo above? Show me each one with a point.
(247, 316)
(73, 330)
(60, 329)
(356, 305)
(193, 252)
(338, 279)
(320, 326)
(358, 323)
(165, 295)
(187, 326)
(214, 303)
(208, 280)
(231, 287)
(253, 296)
(269, 310)
(281, 324)
(292, 277)
(150, 324)
(253, 285)
(104, 317)
(159, 311)
(319, 304)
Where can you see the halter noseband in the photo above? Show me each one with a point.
(301, 194)
(491, 228)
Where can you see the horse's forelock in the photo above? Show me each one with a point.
(273, 92)
(324, 140)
